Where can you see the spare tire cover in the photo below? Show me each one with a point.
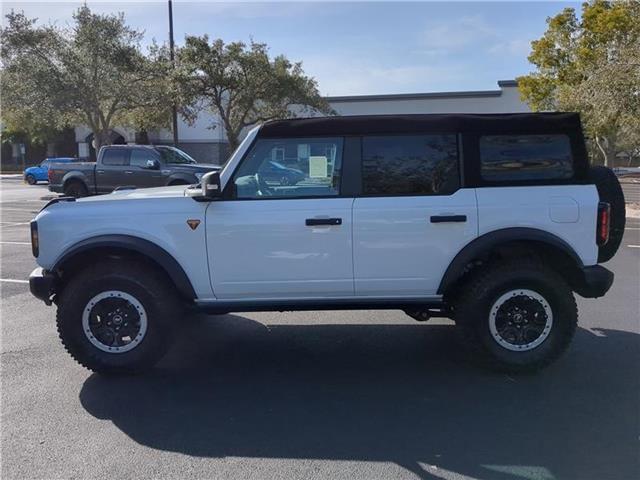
(610, 191)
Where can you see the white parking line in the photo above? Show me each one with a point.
(633, 246)
(17, 243)
(14, 224)
(13, 280)
(27, 210)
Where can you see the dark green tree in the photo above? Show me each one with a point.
(92, 73)
(242, 84)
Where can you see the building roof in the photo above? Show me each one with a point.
(419, 96)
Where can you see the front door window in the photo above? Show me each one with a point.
(285, 168)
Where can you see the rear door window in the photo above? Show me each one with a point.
(115, 156)
(410, 165)
(525, 157)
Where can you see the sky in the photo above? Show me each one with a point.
(355, 48)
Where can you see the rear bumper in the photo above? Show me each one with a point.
(56, 188)
(42, 284)
(594, 281)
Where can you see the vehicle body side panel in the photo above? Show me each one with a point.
(264, 249)
(162, 221)
(568, 212)
(399, 251)
(82, 171)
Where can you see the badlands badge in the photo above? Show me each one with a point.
(193, 223)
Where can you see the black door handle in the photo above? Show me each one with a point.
(448, 218)
(312, 222)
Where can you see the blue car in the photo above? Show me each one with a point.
(39, 173)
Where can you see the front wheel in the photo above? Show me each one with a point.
(518, 316)
(116, 317)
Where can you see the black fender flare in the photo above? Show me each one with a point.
(183, 177)
(76, 176)
(485, 243)
(144, 247)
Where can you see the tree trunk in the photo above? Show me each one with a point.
(101, 138)
(607, 148)
(232, 137)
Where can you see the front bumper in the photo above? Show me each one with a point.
(594, 281)
(42, 284)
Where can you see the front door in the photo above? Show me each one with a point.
(266, 240)
(142, 174)
(412, 217)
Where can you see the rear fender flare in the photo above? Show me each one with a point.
(76, 176)
(485, 243)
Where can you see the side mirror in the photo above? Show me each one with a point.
(153, 165)
(211, 187)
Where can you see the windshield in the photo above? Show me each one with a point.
(173, 155)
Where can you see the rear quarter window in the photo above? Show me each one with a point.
(115, 156)
(525, 157)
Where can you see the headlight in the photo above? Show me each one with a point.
(199, 175)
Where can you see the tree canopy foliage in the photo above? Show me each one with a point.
(242, 85)
(591, 64)
(92, 73)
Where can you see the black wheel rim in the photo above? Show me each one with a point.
(520, 320)
(114, 321)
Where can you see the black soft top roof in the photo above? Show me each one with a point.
(431, 123)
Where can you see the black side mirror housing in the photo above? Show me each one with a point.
(211, 187)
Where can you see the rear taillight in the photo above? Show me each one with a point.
(604, 217)
(35, 241)
(50, 173)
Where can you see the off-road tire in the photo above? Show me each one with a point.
(75, 188)
(610, 191)
(147, 285)
(31, 180)
(472, 311)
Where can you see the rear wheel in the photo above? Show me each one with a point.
(116, 317)
(518, 316)
(75, 188)
(31, 180)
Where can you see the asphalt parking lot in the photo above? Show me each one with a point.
(353, 395)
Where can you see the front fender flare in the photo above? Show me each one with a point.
(144, 247)
(184, 177)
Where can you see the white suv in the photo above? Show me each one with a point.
(491, 220)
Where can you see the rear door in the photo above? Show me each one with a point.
(412, 217)
(110, 170)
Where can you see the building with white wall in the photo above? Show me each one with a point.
(206, 141)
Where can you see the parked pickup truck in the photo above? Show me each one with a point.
(127, 166)
(494, 221)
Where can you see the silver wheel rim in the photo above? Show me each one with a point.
(116, 319)
(520, 322)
